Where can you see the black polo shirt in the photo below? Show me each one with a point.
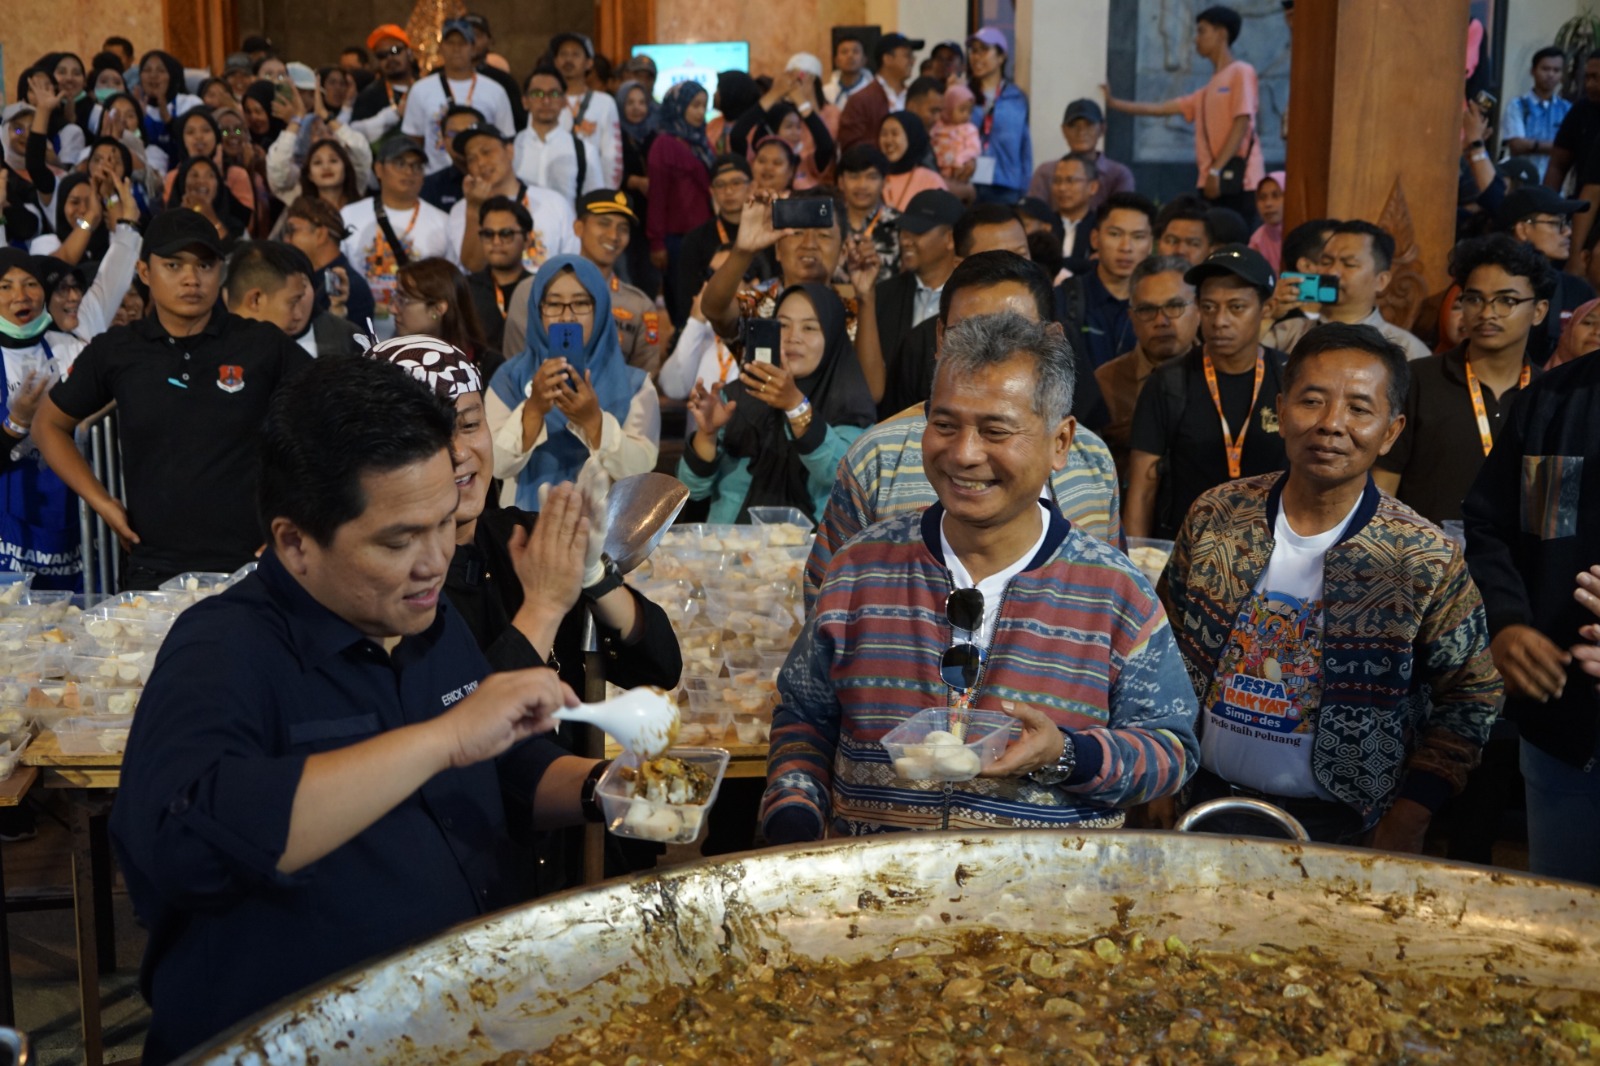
(1176, 419)
(1438, 453)
(482, 286)
(189, 414)
(247, 686)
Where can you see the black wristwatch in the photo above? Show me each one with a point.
(1051, 776)
(591, 809)
(609, 582)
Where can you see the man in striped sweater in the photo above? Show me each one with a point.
(1073, 642)
(882, 474)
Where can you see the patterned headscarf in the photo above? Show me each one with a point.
(677, 102)
(441, 366)
(637, 130)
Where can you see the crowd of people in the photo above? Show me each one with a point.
(847, 291)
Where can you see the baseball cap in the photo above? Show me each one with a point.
(1535, 200)
(237, 61)
(605, 202)
(176, 230)
(1519, 169)
(395, 147)
(1236, 259)
(725, 163)
(466, 136)
(562, 38)
(930, 208)
(890, 41)
(992, 37)
(461, 26)
(954, 46)
(807, 62)
(1085, 109)
(388, 29)
(302, 76)
(1037, 210)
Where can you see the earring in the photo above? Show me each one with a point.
(436, 316)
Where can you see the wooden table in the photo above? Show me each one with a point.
(89, 780)
(12, 791)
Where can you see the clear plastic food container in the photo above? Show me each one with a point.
(628, 815)
(129, 666)
(764, 663)
(782, 527)
(948, 744)
(119, 701)
(196, 585)
(1150, 556)
(243, 572)
(703, 714)
(93, 734)
(14, 586)
(11, 750)
(115, 627)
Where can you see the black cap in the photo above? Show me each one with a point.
(1236, 259)
(397, 146)
(462, 139)
(606, 202)
(179, 230)
(1535, 200)
(461, 26)
(562, 38)
(930, 208)
(1519, 169)
(890, 41)
(53, 272)
(1037, 210)
(1085, 108)
(724, 163)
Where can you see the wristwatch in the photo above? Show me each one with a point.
(1051, 776)
(586, 802)
(83, 224)
(609, 582)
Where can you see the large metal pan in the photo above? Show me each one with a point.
(518, 978)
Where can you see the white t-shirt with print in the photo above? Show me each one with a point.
(602, 128)
(424, 230)
(427, 103)
(552, 235)
(1260, 712)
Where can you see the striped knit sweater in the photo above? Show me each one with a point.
(1080, 635)
(1409, 691)
(881, 477)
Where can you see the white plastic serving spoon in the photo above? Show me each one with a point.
(643, 720)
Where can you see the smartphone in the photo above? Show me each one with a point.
(1485, 100)
(331, 283)
(285, 91)
(1315, 288)
(807, 212)
(566, 341)
(763, 340)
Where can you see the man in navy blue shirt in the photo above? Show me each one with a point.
(320, 767)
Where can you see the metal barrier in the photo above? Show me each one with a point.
(102, 555)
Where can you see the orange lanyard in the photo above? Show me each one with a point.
(1479, 411)
(722, 233)
(724, 365)
(499, 297)
(415, 211)
(1235, 446)
(472, 90)
(873, 223)
(390, 90)
(616, 283)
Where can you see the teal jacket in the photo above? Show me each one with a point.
(726, 480)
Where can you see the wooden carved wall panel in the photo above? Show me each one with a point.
(1408, 286)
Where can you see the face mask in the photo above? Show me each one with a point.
(104, 93)
(25, 333)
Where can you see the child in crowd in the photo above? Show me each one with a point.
(955, 138)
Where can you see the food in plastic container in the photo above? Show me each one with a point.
(11, 750)
(1150, 556)
(14, 588)
(93, 735)
(947, 744)
(663, 799)
(708, 715)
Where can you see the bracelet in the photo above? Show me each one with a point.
(586, 801)
(805, 405)
(15, 427)
(1477, 144)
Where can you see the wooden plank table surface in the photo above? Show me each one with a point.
(100, 770)
(13, 788)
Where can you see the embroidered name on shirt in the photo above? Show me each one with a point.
(451, 698)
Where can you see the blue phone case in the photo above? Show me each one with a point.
(566, 340)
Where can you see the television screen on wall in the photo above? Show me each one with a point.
(695, 62)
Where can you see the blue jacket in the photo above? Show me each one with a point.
(1009, 141)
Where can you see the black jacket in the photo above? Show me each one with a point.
(896, 302)
(1533, 523)
(335, 336)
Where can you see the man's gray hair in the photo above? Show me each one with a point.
(983, 341)
(1151, 265)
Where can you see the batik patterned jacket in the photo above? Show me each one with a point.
(1409, 691)
(1080, 635)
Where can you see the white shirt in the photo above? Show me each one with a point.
(897, 100)
(552, 227)
(426, 104)
(925, 303)
(601, 128)
(552, 163)
(1260, 712)
(1069, 233)
(700, 357)
(993, 587)
(624, 449)
(835, 92)
(424, 230)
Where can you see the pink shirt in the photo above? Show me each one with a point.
(898, 189)
(955, 144)
(1231, 92)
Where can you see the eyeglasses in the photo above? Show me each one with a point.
(961, 663)
(1500, 305)
(729, 183)
(580, 308)
(399, 301)
(235, 131)
(19, 131)
(488, 236)
(392, 50)
(1560, 225)
(1172, 310)
(544, 94)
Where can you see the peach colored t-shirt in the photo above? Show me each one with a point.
(1231, 92)
(898, 189)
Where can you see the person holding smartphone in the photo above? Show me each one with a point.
(775, 436)
(571, 394)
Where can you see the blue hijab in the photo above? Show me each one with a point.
(671, 121)
(616, 383)
(639, 131)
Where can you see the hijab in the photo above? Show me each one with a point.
(99, 240)
(916, 142)
(103, 108)
(11, 334)
(562, 454)
(14, 159)
(122, 151)
(839, 396)
(737, 92)
(227, 208)
(1567, 349)
(262, 92)
(639, 132)
(176, 84)
(180, 150)
(679, 98)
